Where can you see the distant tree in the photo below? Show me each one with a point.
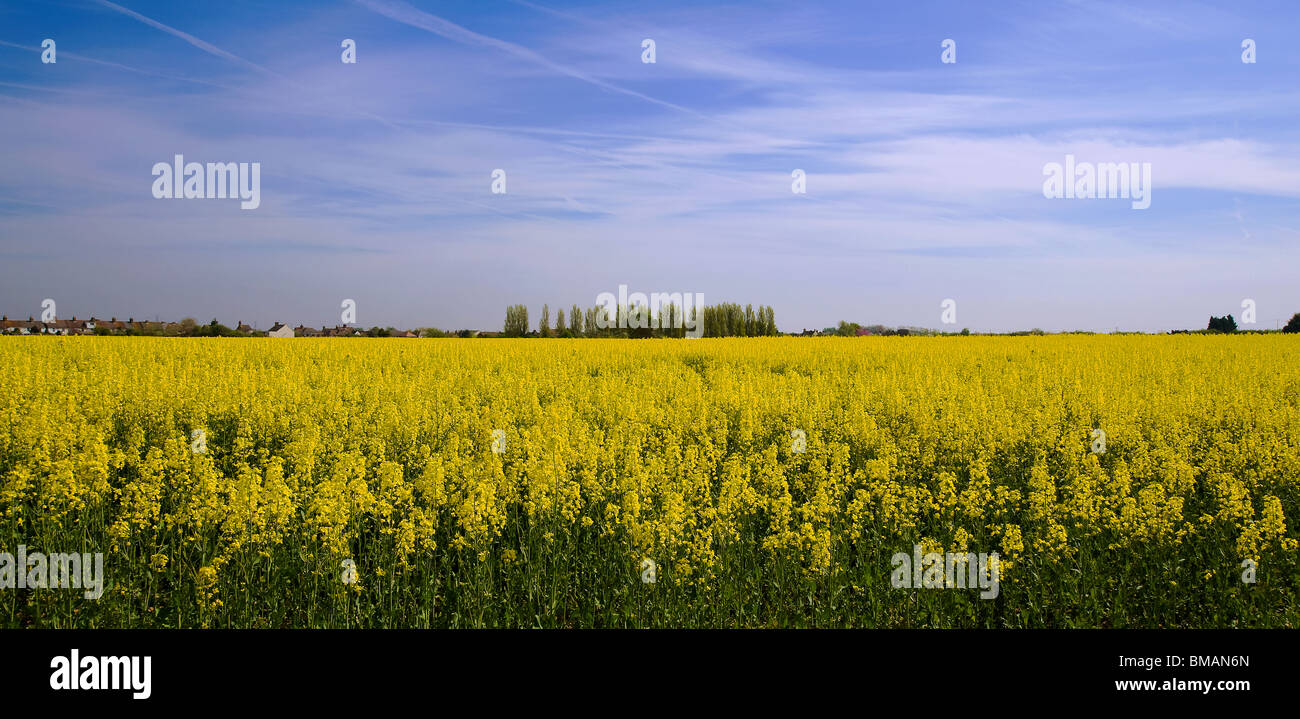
(575, 320)
(516, 321)
(671, 318)
(1222, 324)
(847, 329)
(188, 325)
(726, 320)
(544, 324)
(213, 329)
(561, 329)
(769, 322)
(1293, 325)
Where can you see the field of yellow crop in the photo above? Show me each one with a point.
(1122, 480)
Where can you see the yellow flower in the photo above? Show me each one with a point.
(377, 452)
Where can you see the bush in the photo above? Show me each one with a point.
(1222, 324)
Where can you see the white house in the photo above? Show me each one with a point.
(280, 329)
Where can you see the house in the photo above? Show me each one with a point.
(280, 329)
(17, 327)
(65, 327)
(404, 333)
(305, 331)
(241, 327)
(112, 325)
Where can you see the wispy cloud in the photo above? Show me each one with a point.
(409, 15)
(924, 179)
(196, 42)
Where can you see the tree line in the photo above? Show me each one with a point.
(728, 319)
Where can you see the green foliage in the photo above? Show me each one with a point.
(1222, 324)
(516, 324)
(215, 329)
(668, 320)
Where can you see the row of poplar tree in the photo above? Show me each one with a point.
(722, 320)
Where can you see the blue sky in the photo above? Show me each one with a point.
(924, 179)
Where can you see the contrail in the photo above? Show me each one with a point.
(556, 13)
(404, 13)
(200, 44)
(214, 50)
(118, 65)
